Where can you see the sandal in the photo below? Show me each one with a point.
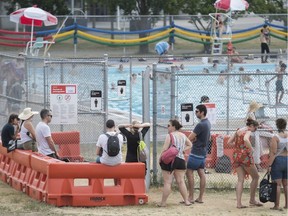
(240, 207)
(257, 204)
(160, 206)
(198, 201)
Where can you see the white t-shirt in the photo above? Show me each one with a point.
(105, 158)
(42, 131)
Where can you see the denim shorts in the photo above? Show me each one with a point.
(196, 162)
(279, 168)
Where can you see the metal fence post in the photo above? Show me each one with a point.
(173, 96)
(105, 89)
(154, 102)
(146, 117)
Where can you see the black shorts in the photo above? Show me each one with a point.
(178, 164)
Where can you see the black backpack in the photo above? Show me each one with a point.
(113, 146)
(223, 165)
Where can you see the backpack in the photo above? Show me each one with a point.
(223, 165)
(142, 150)
(113, 146)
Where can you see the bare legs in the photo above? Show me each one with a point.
(239, 187)
(284, 182)
(253, 185)
(167, 177)
(179, 177)
(190, 177)
(277, 202)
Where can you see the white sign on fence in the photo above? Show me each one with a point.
(63, 103)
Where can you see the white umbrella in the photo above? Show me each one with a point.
(33, 16)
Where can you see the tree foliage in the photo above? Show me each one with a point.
(55, 7)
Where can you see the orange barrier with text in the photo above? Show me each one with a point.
(73, 184)
(93, 184)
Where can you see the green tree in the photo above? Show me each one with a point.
(55, 7)
(276, 8)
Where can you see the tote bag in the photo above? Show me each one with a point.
(267, 190)
(169, 155)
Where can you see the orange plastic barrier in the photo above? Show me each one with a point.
(6, 164)
(129, 190)
(36, 186)
(53, 181)
(69, 145)
(21, 171)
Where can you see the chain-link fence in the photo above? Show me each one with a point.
(230, 88)
(174, 81)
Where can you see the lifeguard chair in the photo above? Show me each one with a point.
(218, 36)
(219, 19)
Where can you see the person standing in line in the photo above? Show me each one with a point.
(133, 138)
(278, 161)
(264, 46)
(243, 163)
(257, 148)
(196, 161)
(101, 146)
(206, 99)
(178, 167)
(27, 131)
(9, 132)
(46, 145)
(279, 84)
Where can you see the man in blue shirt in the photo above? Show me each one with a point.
(200, 137)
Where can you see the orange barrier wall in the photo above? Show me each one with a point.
(69, 144)
(53, 181)
(129, 189)
(22, 170)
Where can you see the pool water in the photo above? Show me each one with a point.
(186, 90)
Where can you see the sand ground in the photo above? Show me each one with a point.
(215, 203)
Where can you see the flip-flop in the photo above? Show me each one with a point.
(197, 201)
(279, 209)
(182, 202)
(160, 206)
(241, 207)
(257, 204)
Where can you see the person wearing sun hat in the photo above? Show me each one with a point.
(258, 150)
(27, 131)
(253, 107)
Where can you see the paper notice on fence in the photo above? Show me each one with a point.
(63, 103)
(211, 112)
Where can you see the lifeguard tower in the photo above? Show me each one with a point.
(223, 21)
(220, 22)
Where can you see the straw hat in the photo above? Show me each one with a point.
(254, 106)
(27, 113)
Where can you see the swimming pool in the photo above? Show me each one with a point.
(189, 89)
(207, 86)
